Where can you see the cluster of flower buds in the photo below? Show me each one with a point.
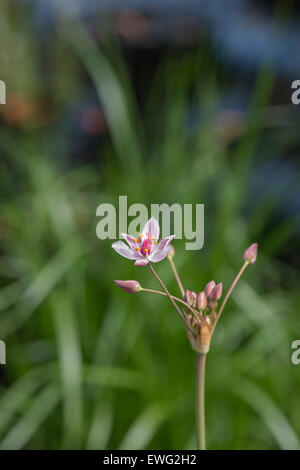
(201, 319)
(206, 300)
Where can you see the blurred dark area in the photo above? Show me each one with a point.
(238, 37)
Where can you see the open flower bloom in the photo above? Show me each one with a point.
(146, 247)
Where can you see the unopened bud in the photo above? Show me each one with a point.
(132, 287)
(209, 288)
(217, 292)
(251, 253)
(190, 298)
(201, 301)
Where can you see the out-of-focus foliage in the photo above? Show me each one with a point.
(89, 366)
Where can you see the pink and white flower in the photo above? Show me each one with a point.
(146, 247)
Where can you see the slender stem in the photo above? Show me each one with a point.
(167, 292)
(229, 292)
(176, 275)
(200, 400)
(173, 297)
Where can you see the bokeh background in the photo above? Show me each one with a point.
(162, 101)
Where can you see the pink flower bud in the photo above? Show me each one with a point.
(201, 301)
(217, 292)
(190, 298)
(132, 287)
(209, 288)
(251, 253)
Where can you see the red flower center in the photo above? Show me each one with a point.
(146, 246)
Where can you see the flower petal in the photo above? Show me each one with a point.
(163, 243)
(159, 255)
(141, 262)
(129, 239)
(124, 250)
(152, 227)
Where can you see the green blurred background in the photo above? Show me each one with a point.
(97, 108)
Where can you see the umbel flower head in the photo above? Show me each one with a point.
(201, 311)
(146, 247)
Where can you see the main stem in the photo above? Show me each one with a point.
(200, 400)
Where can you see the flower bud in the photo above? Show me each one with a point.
(217, 292)
(251, 253)
(201, 301)
(171, 253)
(209, 288)
(132, 287)
(190, 298)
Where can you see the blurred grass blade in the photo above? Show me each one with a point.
(112, 94)
(144, 428)
(70, 363)
(266, 316)
(114, 377)
(269, 412)
(101, 427)
(9, 295)
(41, 286)
(32, 419)
(12, 401)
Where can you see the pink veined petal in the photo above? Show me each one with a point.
(159, 255)
(152, 227)
(129, 239)
(163, 243)
(141, 262)
(124, 250)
